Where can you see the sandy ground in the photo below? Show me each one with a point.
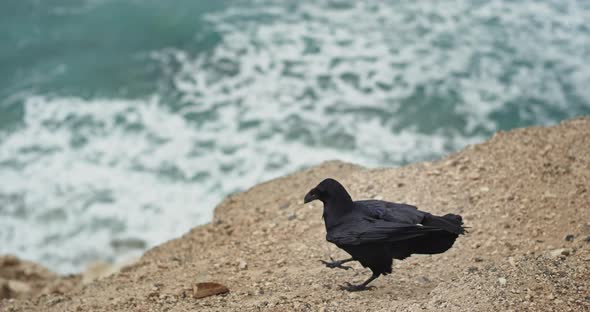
(525, 194)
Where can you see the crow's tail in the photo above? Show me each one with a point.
(451, 223)
(433, 242)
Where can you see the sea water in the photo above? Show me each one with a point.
(124, 122)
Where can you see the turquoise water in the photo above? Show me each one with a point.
(123, 123)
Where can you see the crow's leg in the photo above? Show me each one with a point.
(337, 264)
(363, 286)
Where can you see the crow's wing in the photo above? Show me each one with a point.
(393, 212)
(367, 230)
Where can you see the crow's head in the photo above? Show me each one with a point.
(327, 190)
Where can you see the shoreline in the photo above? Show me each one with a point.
(525, 194)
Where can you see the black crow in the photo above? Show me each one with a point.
(374, 232)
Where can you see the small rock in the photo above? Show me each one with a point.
(18, 287)
(55, 300)
(484, 189)
(281, 262)
(472, 270)
(569, 237)
(587, 239)
(292, 216)
(561, 252)
(502, 281)
(242, 265)
(202, 290)
(478, 259)
(511, 261)
(285, 205)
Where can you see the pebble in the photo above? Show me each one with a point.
(292, 216)
(242, 265)
(569, 237)
(202, 290)
(55, 300)
(511, 261)
(502, 281)
(560, 253)
(19, 287)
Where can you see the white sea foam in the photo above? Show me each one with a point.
(306, 83)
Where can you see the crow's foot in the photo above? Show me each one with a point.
(335, 264)
(352, 287)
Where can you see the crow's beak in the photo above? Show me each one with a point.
(311, 196)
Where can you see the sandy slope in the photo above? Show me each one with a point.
(521, 192)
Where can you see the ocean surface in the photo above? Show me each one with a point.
(124, 122)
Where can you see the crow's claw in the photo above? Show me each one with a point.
(352, 287)
(335, 264)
